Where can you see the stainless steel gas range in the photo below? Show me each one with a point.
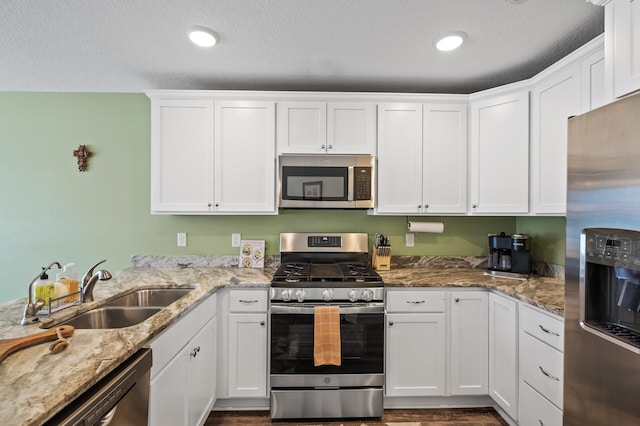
(322, 270)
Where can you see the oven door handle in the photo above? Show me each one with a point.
(370, 308)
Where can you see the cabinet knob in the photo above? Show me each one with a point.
(457, 299)
(323, 146)
(330, 146)
(390, 323)
(419, 206)
(209, 205)
(261, 322)
(195, 351)
(473, 206)
(426, 206)
(217, 204)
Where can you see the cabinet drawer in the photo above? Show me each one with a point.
(542, 326)
(248, 301)
(535, 410)
(416, 301)
(541, 368)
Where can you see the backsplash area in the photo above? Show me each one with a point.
(214, 261)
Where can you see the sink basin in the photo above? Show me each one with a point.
(150, 297)
(112, 317)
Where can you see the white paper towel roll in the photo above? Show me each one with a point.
(435, 227)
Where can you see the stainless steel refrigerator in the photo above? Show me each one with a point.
(602, 318)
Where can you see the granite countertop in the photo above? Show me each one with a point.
(41, 383)
(544, 292)
(36, 383)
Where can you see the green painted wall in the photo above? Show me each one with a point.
(51, 211)
(547, 237)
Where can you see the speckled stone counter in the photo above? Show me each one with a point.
(35, 383)
(543, 292)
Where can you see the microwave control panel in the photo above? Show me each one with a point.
(362, 183)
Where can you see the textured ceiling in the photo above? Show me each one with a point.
(336, 45)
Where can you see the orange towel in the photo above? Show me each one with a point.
(326, 336)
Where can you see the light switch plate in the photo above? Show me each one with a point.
(409, 240)
(182, 239)
(235, 239)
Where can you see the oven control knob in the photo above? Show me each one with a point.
(367, 295)
(353, 295)
(327, 294)
(300, 295)
(287, 293)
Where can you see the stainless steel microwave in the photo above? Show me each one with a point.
(327, 181)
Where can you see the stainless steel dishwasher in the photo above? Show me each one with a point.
(119, 399)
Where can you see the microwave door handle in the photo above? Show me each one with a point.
(350, 184)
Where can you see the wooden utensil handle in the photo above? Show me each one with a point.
(9, 346)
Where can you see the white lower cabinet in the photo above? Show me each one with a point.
(183, 372)
(503, 353)
(428, 355)
(469, 342)
(541, 367)
(247, 349)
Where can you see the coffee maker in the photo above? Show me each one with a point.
(509, 255)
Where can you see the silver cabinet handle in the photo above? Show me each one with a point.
(261, 322)
(457, 299)
(426, 206)
(416, 302)
(473, 206)
(247, 301)
(209, 205)
(540, 421)
(548, 375)
(330, 146)
(195, 351)
(548, 331)
(323, 146)
(390, 323)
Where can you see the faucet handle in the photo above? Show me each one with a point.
(88, 274)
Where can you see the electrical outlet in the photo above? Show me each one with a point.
(409, 240)
(235, 239)
(182, 239)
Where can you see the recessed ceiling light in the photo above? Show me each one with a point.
(202, 36)
(449, 41)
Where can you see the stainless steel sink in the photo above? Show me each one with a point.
(112, 317)
(150, 297)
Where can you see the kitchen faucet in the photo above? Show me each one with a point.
(31, 308)
(89, 281)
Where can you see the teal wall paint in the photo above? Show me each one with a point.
(51, 211)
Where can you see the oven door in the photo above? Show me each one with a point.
(362, 347)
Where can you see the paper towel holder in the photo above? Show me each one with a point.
(433, 227)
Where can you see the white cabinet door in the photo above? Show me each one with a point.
(168, 394)
(469, 342)
(444, 164)
(503, 353)
(200, 372)
(554, 100)
(626, 46)
(351, 128)
(593, 81)
(245, 157)
(181, 155)
(416, 348)
(500, 154)
(247, 355)
(302, 127)
(399, 158)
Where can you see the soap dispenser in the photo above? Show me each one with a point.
(43, 289)
(69, 278)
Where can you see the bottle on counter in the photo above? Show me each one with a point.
(69, 279)
(44, 289)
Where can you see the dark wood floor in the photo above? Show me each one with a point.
(431, 417)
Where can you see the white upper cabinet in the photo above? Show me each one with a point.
(499, 181)
(553, 101)
(181, 155)
(245, 157)
(422, 158)
(399, 158)
(622, 27)
(326, 128)
(212, 157)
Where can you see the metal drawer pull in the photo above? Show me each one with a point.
(540, 421)
(548, 331)
(247, 301)
(548, 375)
(419, 302)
